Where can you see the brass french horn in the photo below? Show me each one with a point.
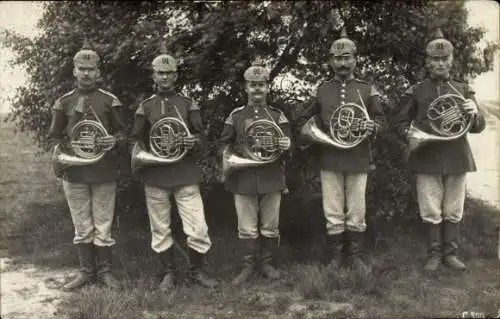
(260, 146)
(447, 121)
(166, 142)
(346, 127)
(83, 139)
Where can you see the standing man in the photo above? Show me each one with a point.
(344, 172)
(90, 189)
(441, 167)
(180, 179)
(257, 190)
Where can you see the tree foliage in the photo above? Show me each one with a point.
(216, 41)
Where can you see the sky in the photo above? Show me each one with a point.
(22, 16)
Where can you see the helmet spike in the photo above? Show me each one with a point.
(438, 34)
(258, 61)
(163, 47)
(86, 44)
(343, 33)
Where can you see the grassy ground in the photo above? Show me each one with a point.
(35, 226)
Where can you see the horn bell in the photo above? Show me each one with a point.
(232, 162)
(141, 158)
(61, 161)
(312, 132)
(418, 138)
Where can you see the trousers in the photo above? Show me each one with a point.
(344, 201)
(441, 197)
(191, 211)
(92, 209)
(250, 207)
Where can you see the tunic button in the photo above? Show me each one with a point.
(343, 85)
(342, 96)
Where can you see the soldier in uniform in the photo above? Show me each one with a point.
(344, 172)
(257, 190)
(90, 189)
(440, 168)
(180, 179)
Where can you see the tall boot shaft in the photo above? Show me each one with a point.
(104, 267)
(167, 269)
(104, 259)
(196, 273)
(248, 259)
(433, 247)
(451, 245)
(268, 248)
(335, 249)
(355, 243)
(87, 272)
(356, 251)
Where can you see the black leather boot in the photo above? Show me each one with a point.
(268, 248)
(167, 269)
(86, 255)
(196, 273)
(335, 250)
(104, 272)
(450, 248)
(433, 247)
(355, 251)
(248, 247)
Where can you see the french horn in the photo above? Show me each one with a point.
(260, 147)
(166, 144)
(347, 127)
(447, 121)
(83, 138)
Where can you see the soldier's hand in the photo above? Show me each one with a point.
(470, 107)
(371, 127)
(190, 141)
(106, 142)
(284, 143)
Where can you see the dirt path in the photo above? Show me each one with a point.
(30, 292)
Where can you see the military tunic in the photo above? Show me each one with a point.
(254, 180)
(442, 158)
(184, 172)
(331, 95)
(80, 104)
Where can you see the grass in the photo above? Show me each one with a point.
(36, 227)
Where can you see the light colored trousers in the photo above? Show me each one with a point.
(250, 207)
(92, 208)
(344, 201)
(441, 197)
(191, 211)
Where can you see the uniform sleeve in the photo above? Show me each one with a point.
(118, 122)
(478, 122)
(228, 134)
(196, 122)
(407, 111)
(310, 110)
(139, 129)
(58, 123)
(287, 130)
(377, 111)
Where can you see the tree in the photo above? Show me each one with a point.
(215, 42)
